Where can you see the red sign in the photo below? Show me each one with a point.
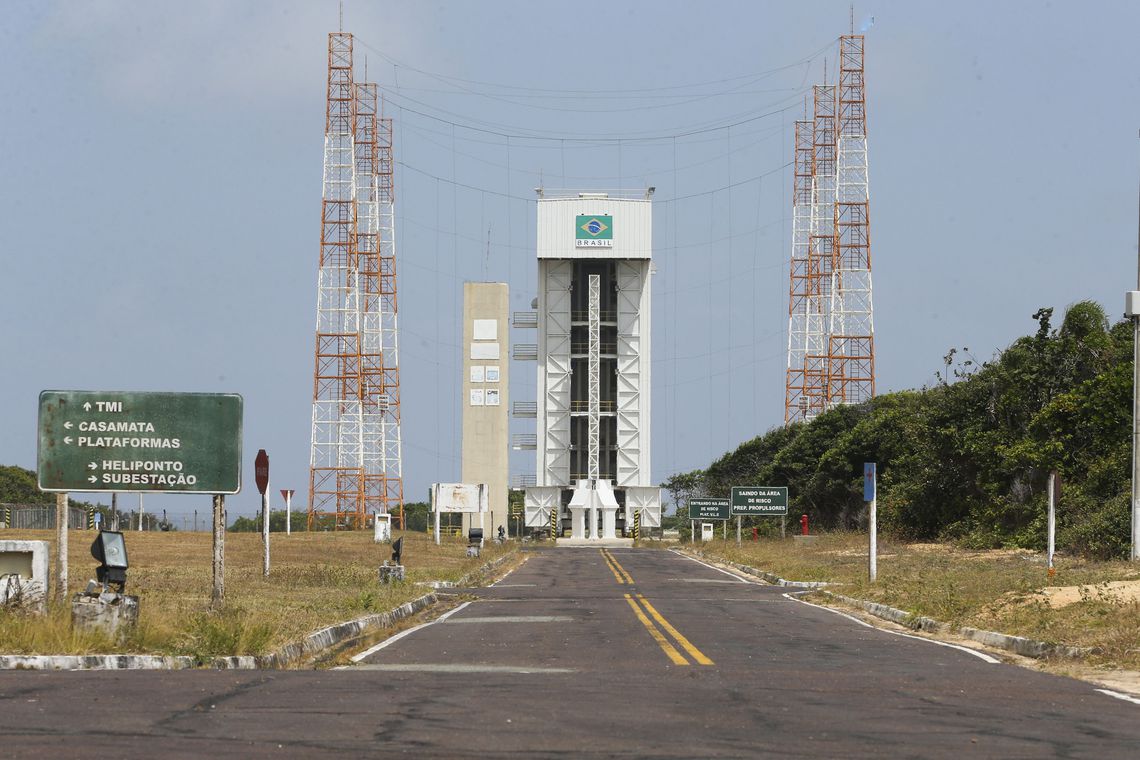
(287, 493)
(261, 471)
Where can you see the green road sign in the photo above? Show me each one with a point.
(760, 500)
(140, 442)
(709, 509)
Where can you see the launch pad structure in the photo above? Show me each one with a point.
(593, 409)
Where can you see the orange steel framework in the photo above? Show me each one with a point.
(830, 318)
(355, 463)
(851, 341)
(803, 295)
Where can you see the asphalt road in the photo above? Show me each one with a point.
(581, 652)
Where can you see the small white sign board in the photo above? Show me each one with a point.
(485, 351)
(459, 497)
(485, 329)
(382, 529)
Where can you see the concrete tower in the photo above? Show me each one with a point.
(593, 440)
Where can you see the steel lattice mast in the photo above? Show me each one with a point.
(354, 417)
(830, 325)
(802, 302)
(388, 398)
(820, 240)
(851, 342)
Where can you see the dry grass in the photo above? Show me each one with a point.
(998, 590)
(316, 580)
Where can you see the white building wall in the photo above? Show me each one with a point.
(632, 246)
(633, 373)
(632, 230)
(553, 467)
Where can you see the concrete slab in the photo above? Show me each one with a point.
(594, 543)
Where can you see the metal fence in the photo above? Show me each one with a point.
(27, 517)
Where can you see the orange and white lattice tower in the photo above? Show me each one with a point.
(851, 335)
(831, 358)
(804, 306)
(355, 459)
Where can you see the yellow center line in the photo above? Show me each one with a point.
(610, 565)
(695, 653)
(628, 577)
(666, 647)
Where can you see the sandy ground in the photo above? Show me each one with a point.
(1118, 592)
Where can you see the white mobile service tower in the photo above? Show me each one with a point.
(594, 369)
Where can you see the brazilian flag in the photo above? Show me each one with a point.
(594, 227)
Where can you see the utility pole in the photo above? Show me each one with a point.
(1132, 310)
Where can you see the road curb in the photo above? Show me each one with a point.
(902, 617)
(1016, 644)
(775, 580)
(94, 662)
(313, 644)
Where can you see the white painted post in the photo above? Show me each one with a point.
(693, 531)
(140, 512)
(738, 530)
(218, 597)
(783, 526)
(61, 548)
(1135, 551)
(1052, 488)
(265, 531)
(289, 512)
(873, 525)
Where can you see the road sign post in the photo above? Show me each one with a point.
(118, 441)
(704, 508)
(764, 501)
(709, 509)
(143, 442)
(218, 596)
(261, 477)
(870, 495)
(758, 500)
(61, 548)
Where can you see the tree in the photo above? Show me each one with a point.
(968, 459)
(19, 486)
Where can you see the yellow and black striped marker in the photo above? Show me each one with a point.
(670, 651)
(621, 575)
(637, 525)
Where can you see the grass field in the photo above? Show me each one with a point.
(996, 590)
(316, 580)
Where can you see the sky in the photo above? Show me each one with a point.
(160, 180)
